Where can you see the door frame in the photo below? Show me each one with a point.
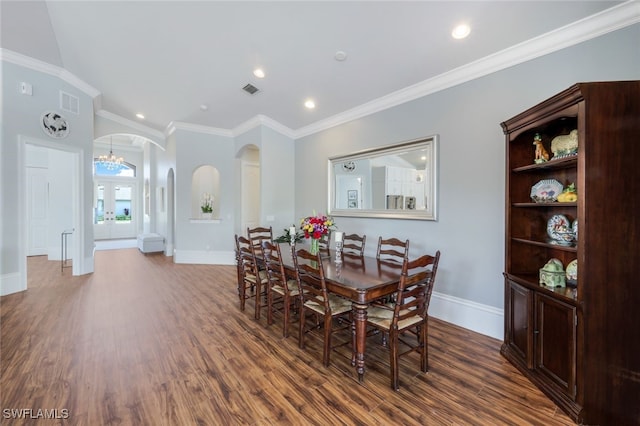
(78, 201)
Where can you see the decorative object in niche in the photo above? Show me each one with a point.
(395, 181)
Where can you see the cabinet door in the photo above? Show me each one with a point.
(519, 333)
(555, 354)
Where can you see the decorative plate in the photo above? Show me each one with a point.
(559, 229)
(54, 125)
(572, 270)
(546, 191)
(574, 228)
(349, 166)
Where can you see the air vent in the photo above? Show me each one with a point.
(250, 89)
(69, 103)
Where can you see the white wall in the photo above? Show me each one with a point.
(470, 229)
(20, 122)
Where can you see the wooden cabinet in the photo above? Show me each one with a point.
(580, 343)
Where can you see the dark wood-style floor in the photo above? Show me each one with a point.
(143, 341)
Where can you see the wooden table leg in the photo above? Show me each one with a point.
(360, 329)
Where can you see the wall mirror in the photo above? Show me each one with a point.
(396, 181)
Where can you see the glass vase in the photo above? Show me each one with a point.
(315, 246)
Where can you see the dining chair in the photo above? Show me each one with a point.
(252, 282)
(392, 249)
(334, 311)
(406, 321)
(354, 244)
(283, 291)
(325, 242)
(257, 235)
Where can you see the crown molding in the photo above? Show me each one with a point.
(609, 20)
(263, 120)
(129, 123)
(197, 128)
(46, 68)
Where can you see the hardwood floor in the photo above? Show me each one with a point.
(143, 341)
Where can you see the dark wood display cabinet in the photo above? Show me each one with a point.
(580, 344)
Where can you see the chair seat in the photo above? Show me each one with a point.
(293, 288)
(383, 317)
(338, 305)
(262, 274)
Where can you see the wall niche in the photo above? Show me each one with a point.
(205, 184)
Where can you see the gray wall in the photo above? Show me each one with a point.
(470, 228)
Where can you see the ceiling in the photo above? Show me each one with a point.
(167, 58)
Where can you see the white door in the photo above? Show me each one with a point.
(114, 216)
(250, 195)
(38, 211)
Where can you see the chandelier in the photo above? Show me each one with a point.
(110, 162)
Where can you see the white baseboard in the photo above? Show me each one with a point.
(11, 283)
(473, 316)
(205, 257)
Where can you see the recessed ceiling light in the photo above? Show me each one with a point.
(204, 107)
(309, 104)
(258, 72)
(461, 31)
(140, 116)
(340, 55)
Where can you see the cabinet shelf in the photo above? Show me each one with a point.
(572, 248)
(539, 205)
(567, 294)
(561, 163)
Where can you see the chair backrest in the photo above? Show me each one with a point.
(415, 287)
(325, 241)
(354, 244)
(257, 236)
(247, 263)
(310, 277)
(392, 249)
(273, 264)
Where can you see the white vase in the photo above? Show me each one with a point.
(207, 215)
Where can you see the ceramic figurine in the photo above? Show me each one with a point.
(565, 145)
(552, 274)
(541, 153)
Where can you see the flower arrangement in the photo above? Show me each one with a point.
(316, 226)
(206, 203)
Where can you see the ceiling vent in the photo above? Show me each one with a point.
(250, 89)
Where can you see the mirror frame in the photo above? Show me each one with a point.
(429, 143)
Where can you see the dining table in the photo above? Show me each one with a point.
(360, 279)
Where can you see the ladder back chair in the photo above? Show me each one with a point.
(283, 291)
(406, 321)
(257, 235)
(354, 244)
(252, 282)
(334, 311)
(392, 249)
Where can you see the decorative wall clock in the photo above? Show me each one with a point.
(54, 125)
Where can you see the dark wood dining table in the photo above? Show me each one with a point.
(362, 280)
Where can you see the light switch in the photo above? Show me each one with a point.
(26, 89)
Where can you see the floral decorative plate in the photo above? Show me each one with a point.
(574, 228)
(559, 229)
(546, 191)
(572, 270)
